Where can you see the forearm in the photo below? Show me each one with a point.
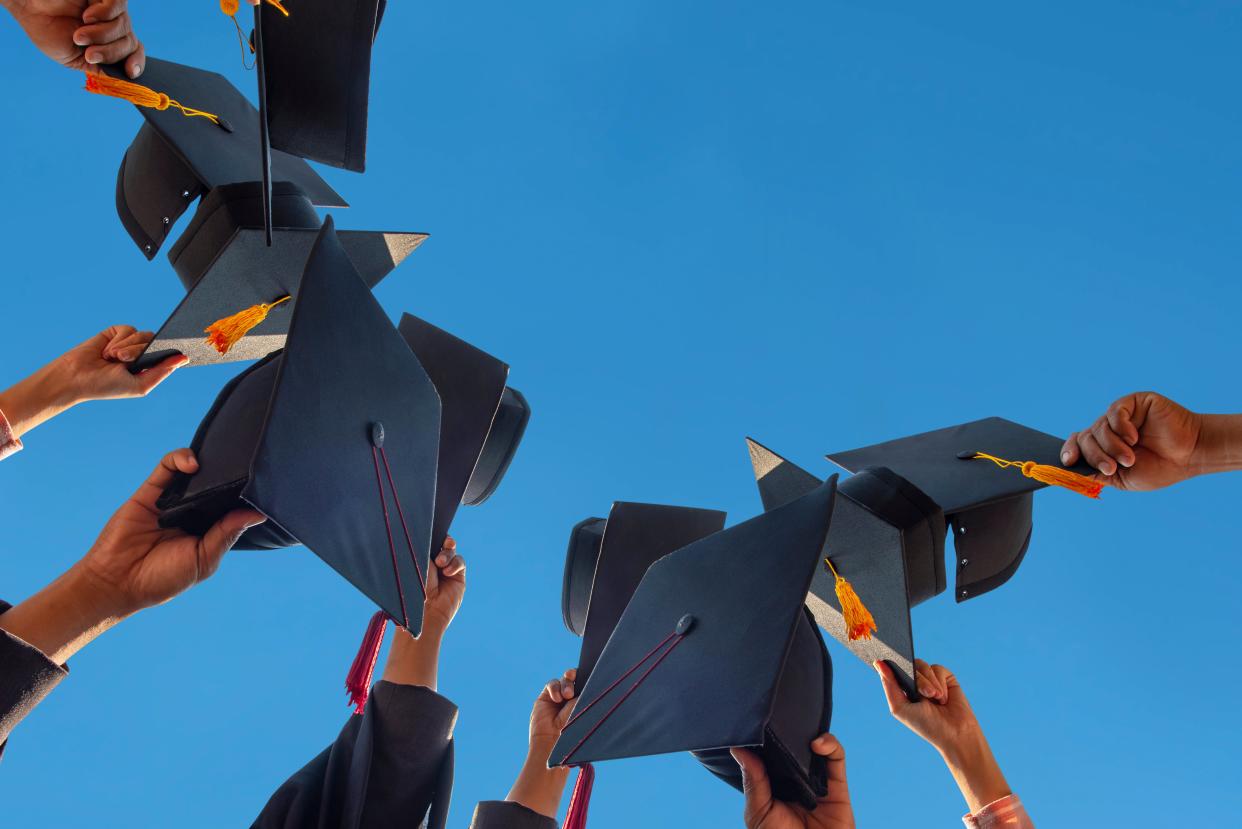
(38, 398)
(976, 772)
(1219, 447)
(414, 661)
(63, 617)
(538, 787)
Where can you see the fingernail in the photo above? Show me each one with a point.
(81, 40)
(1065, 457)
(93, 58)
(135, 71)
(1127, 462)
(255, 522)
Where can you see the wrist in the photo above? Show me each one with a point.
(1219, 445)
(65, 616)
(38, 398)
(970, 760)
(538, 787)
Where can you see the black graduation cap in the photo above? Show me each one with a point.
(175, 159)
(481, 423)
(335, 439)
(989, 507)
(715, 650)
(317, 76)
(226, 266)
(607, 558)
(886, 539)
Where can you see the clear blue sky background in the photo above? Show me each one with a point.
(823, 224)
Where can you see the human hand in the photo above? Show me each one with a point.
(944, 718)
(446, 587)
(80, 34)
(98, 368)
(135, 563)
(538, 787)
(1144, 441)
(762, 811)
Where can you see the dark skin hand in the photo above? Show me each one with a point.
(1144, 441)
(79, 34)
(763, 811)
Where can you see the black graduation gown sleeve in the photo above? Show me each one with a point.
(503, 814)
(386, 768)
(26, 677)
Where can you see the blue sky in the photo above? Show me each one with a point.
(823, 225)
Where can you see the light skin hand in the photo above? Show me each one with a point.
(944, 718)
(538, 787)
(763, 811)
(80, 34)
(133, 565)
(415, 661)
(95, 370)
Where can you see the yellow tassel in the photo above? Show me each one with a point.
(139, 95)
(1046, 474)
(858, 621)
(230, 7)
(223, 334)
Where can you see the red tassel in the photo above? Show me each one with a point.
(576, 817)
(358, 681)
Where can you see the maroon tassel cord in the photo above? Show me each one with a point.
(358, 681)
(576, 817)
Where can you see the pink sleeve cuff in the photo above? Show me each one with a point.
(1006, 813)
(9, 443)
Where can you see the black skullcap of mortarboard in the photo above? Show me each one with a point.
(506, 433)
(887, 540)
(606, 560)
(175, 159)
(317, 65)
(341, 453)
(714, 651)
(988, 507)
(223, 260)
(471, 385)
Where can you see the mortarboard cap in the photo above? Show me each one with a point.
(335, 439)
(886, 539)
(317, 67)
(715, 650)
(227, 268)
(175, 159)
(988, 507)
(481, 422)
(607, 558)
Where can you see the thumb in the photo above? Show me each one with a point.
(222, 536)
(157, 374)
(755, 785)
(896, 697)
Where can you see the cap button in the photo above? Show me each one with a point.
(224, 124)
(377, 434)
(966, 455)
(684, 624)
(965, 593)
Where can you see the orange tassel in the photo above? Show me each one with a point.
(223, 334)
(859, 623)
(230, 7)
(1046, 474)
(139, 95)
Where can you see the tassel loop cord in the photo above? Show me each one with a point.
(1047, 474)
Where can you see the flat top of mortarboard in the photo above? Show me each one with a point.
(713, 636)
(230, 271)
(223, 153)
(354, 423)
(940, 462)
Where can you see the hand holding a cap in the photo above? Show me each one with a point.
(538, 787)
(81, 34)
(133, 565)
(762, 811)
(944, 718)
(95, 370)
(1146, 441)
(446, 587)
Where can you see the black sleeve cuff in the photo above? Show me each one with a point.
(26, 677)
(505, 814)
